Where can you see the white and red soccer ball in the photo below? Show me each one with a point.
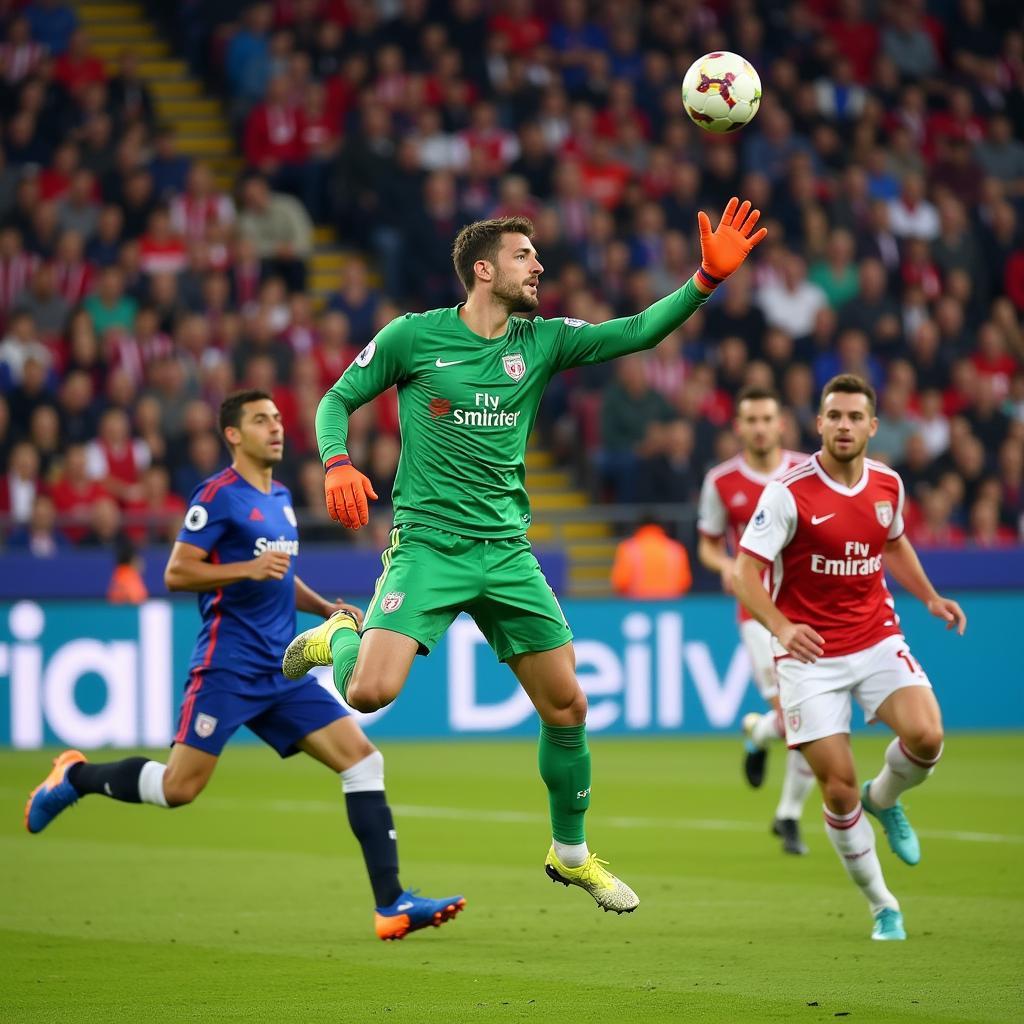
(721, 92)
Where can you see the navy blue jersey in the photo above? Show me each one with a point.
(247, 625)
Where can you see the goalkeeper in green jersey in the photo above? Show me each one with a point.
(470, 380)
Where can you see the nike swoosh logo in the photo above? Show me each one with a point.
(405, 906)
(455, 362)
(818, 520)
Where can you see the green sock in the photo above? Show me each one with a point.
(344, 651)
(564, 759)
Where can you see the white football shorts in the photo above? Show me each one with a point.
(816, 698)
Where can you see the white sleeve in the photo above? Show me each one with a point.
(225, 210)
(711, 514)
(178, 216)
(897, 526)
(95, 461)
(142, 454)
(773, 524)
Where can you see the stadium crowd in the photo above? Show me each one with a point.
(887, 160)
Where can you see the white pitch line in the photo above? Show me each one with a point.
(679, 824)
(531, 818)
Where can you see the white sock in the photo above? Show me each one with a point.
(151, 784)
(769, 728)
(366, 776)
(854, 840)
(796, 784)
(572, 855)
(902, 771)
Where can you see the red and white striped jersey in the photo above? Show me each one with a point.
(824, 542)
(15, 274)
(192, 216)
(729, 496)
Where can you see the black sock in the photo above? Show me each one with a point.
(370, 819)
(118, 779)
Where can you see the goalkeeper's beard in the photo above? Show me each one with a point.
(513, 296)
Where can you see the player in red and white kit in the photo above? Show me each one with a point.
(825, 529)
(727, 500)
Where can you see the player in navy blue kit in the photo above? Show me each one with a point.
(236, 550)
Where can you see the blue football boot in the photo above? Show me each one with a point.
(410, 912)
(53, 794)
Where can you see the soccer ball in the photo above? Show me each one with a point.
(721, 92)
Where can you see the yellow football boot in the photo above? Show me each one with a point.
(313, 647)
(611, 893)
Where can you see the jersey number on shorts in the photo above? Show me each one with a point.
(905, 657)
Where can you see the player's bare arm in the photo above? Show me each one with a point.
(902, 562)
(189, 569)
(715, 557)
(308, 600)
(802, 642)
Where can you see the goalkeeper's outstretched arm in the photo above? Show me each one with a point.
(722, 252)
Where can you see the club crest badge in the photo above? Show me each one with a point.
(515, 365)
(794, 720)
(205, 724)
(392, 601)
(884, 513)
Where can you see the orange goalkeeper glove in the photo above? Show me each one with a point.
(346, 490)
(725, 248)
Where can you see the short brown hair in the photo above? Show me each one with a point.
(850, 384)
(755, 393)
(481, 241)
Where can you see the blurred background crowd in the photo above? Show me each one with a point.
(135, 291)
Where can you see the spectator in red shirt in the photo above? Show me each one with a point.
(604, 178)
(936, 528)
(986, 530)
(161, 250)
(993, 360)
(74, 493)
(154, 513)
(19, 55)
(320, 137)
(273, 136)
(485, 135)
(200, 206)
(78, 68)
(115, 459)
(16, 268)
(520, 29)
(73, 274)
(332, 352)
(55, 180)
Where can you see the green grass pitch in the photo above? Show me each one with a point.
(252, 904)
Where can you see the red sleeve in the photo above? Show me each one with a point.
(1014, 281)
(256, 144)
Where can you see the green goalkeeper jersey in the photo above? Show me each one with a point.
(467, 404)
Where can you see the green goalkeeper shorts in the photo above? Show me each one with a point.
(430, 576)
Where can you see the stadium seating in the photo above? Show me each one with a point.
(135, 274)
